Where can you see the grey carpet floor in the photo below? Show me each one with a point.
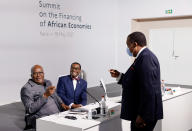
(12, 117)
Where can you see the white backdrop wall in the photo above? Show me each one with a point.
(173, 53)
(26, 39)
(24, 42)
(132, 9)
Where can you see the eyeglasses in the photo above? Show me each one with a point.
(38, 73)
(75, 68)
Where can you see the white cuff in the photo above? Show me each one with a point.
(119, 77)
(71, 105)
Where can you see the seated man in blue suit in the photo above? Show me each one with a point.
(72, 89)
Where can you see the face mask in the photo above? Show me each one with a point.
(129, 52)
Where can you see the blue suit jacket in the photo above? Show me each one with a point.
(67, 93)
(141, 89)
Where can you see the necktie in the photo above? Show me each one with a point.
(76, 78)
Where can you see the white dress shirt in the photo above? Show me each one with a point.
(74, 86)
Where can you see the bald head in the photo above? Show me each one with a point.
(34, 67)
(37, 74)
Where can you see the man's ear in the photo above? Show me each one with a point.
(136, 44)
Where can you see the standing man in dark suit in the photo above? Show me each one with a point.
(72, 89)
(141, 97)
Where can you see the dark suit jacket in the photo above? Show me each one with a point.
(141, 89)
(67, 93)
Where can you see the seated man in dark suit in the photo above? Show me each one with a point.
(72, 89)
(39, 98)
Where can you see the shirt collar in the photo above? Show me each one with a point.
(76, 78)
(32, 83)
(140, 52)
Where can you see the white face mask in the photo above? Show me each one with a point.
(129, 52)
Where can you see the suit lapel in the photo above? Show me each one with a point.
(71, 84)
(78, 85)
(136, 62)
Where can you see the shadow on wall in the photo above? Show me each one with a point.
(12, 117)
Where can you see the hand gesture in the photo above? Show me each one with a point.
(49, 91)
(114, 73)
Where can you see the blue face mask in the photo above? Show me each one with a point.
(129, 52)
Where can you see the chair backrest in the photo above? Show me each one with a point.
(96, 92)
(113, 90)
